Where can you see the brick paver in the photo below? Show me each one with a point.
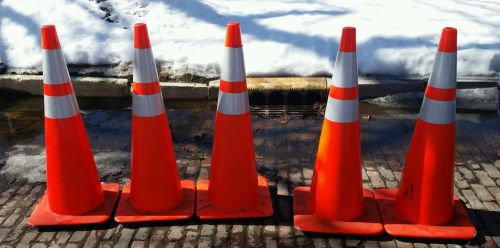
(285, 150)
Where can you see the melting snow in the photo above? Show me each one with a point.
(281, 37)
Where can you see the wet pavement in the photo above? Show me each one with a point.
(285, 141)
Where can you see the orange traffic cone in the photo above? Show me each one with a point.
(74, 194)
(155, 191)
(234, 189)
(336, 201)
(425, 206)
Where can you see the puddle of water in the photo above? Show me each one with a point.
(21, 118)
(108, 128)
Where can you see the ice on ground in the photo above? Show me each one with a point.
(109, 134)
(481, 98)
(26, 161)
(475, 99)
(281, 37)
(409, 99)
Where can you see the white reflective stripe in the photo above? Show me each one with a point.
(60, 107)
(147, 105)
(54, 67)
(233, 103)
(233, 65)
(444, 71)
(144, 66)
(345, 71)
(438, 112)
(341, 111)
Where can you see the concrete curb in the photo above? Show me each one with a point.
(83, 86)
(120, 87)
(372, 87)
(184, 91)
(28, 84)
(277, 84)
(102, 87)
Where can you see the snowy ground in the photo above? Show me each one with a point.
(281, 37)
(467, 99)
(109, 133)
(285, 149)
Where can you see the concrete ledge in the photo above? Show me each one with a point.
(184, 91)
(369, 88)
(279, 84)
(372, 87)
(120, 87)
(83, 86)
(101, 87)
(29, 84)
(476, 82)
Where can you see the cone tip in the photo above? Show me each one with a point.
(141, 37)
(348, 40)
(448, 41)
(233, 35)
(50, 41)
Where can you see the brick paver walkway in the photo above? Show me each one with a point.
(285, 151)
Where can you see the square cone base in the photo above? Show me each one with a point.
(125, 213)
(460, 227)
(368, 224)
(204, 210)
(43, 216)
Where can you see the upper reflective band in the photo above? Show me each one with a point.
(341, 111)
(146, 88)
(343, 93)
(233, 65)
(57, 89)
(144, 66)
(437, 112)
(233, 103)
(444, 72)
(54, 67)
(60, 107)
(440, 94)
(345, 72)
(147, 105)
(233, 87)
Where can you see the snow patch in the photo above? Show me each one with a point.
(475, 99)
(109, 134)
(281, 37)
(26, 161)
(481, 98)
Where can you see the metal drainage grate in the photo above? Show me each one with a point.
(285, 110)
(286, 98)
